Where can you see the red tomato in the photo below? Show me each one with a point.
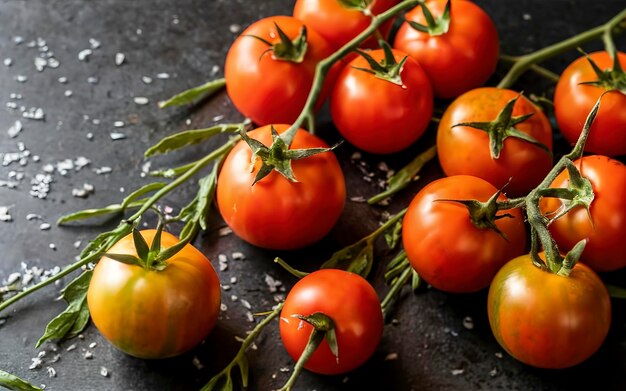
(276, 213)
(267, 89)
(573, 102)
(154, 314)
(339, 24)
(546, 320)
(606, 247)
(377, 115)
(443, 245)
(466, 150)
(458, 60)
(351, 302)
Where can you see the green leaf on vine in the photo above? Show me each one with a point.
(194, 94)
(356, 258)
(393, 235)
(73, 320)
(14, 383)
(189, 137)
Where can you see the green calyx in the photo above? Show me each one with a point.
(434, 26)
(579, 192)
(610, 79)
(359, 5)
(322, 323)
(503, 127)
(483, 215)
(388, 68)
(151, 257)
(286, 49)
(278, 156)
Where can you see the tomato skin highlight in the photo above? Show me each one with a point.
(268, 90)
(154, 314)
(276, 213)
(573, 102)
(353, 305)
(546, 320)
(463, 150)
(445, 248)
(377, 115)
(338, 24)
(606, 247)
(459, 60)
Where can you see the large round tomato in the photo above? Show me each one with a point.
(466, 150)
(456, 61)
(154, 314)
(276, 213)
(377, 115)
(605, 225)
(573, 102)
(351, 302)
(446, 248)
(265, 88)
(546, 320)
(338, 23)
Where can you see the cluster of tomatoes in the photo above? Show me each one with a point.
(381, 101)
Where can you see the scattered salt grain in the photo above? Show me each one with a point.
(95, 44)
(92, 80)
(457, 372)
(493, 372)
(233, 280)
(118, 124)
(40, 64)
(117, 136)
(4, 214)
(103, 170)
(527, 16)
(196, 363)
(104, 372)
(468, 323)
(15, 129)
(498, 354)
(119, 58)
(36, 363)
(8, 62)
(77, 244)
(146, 79)
(163, 75)
(68, 93)
(87, 355)
(62, 80)
(359, 199)
(18, 40)
(224, 231)
(93, 345)
(83, 55)
(51, 372)
(52, 246)
(246, 304)
(141, 100)
(223, 307)
(391, 356)
(272, 283)
(21, 79)
(250, 317)
(234, 28)
(44, 226)
(238, 256)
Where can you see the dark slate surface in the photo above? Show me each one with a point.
(186, 39)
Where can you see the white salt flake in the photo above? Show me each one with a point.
(250, 317)
(51, 372)
(68, 93)
(40, 64)
(62, 80)
(141, 100)
(52, 246)
(95, 44)
(71, 347)
(15, 129)
(36, 363)
(4, 214)
(103, 170)
(223, 307)
(196, 363)
(44, 226)
(21, 79)
(272, 283)
(104, 372)
(87, 355)
(224, 231)
(468, 323)
(246, 304)
(163, 75)
(457, 372)
(391, 357)
(117, 136)
(53, 63)
(234, 28)
(93, 345)
(146, 79)
(119, 124)
(238, 256)
(83, 55)
(7, 62)
(92, 80)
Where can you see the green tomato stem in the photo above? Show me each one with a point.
(522, 63)
(390, 298)
(316, 338)
(244, 347)
(389, 223)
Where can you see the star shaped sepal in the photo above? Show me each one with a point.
(610, 79)
(503, 127)
(278, 156)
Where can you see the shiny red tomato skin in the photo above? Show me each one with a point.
(461, 59)
(573, 102)
(154, 314)
(605, 232)
(463, 150)
(377, 115)
(265, 89)
(338, 24)
(351, 302)
(276, 213)
(445, 248)
(546, 320)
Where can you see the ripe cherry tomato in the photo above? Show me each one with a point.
(267, 89)
(456, 61)
(605, 225)
(443, 245)
(276, 213)
(154, 314)
(377, 115)
(573, 102)
(338, 23)
(466, 150)
(546, 320)
(351, 302)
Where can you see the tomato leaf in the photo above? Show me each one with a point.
(416, 280)
(208, 185)
(140, 245)
(125, 258)
(331, 339)
(73, 320)
(189, 137)
(392, 236)
(244, 368)
(91, 213)
(356, 258)
(13, 382)
(194, 94)
(406, 175)
(616, 292)
(359, 5)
